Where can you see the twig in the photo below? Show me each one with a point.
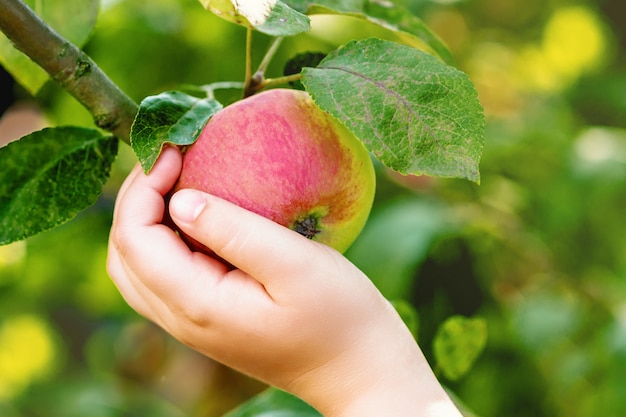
(69, 67)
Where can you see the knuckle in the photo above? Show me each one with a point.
(190, 317)
(233, 240)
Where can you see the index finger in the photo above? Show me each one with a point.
(146, 199)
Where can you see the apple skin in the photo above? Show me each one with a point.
(279, 155)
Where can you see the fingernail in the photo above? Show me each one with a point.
(186, 205)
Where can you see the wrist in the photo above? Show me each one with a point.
(384, 373)
(411, 391)
(418, 397)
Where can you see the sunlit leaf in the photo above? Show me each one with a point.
(343, 6)
(171, 117)
(50, 176)
(284, 21)
(76, 29)
(458, 342)
(409, 28)
(416, 114)
(272, 17)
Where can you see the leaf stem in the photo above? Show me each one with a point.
(271, 82)
(268, 56)
(209, 89)
(69, 67)
(248, 77)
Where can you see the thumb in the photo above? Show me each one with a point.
(248, 241)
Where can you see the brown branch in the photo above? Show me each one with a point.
(69, 67)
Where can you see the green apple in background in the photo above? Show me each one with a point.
(278, 154)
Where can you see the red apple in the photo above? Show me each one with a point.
(279, 155)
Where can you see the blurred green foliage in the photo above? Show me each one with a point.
(538, 250)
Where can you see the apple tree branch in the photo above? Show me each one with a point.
(69, 67)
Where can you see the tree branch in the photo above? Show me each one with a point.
(69, 67)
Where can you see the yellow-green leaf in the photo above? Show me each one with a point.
(458, 342)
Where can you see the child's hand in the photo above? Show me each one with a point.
(293, 313)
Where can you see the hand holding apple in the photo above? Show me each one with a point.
(293, 313)
(279, 155)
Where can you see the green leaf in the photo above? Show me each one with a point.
(76, 29)
(170, 117)
(274, 403)
(416, 114)
(284, 21)
(399, 20)
(272, 17)
(409, 28)
(50, 176)
(337, 6)
(458, 342)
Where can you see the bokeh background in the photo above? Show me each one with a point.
(537, 250)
